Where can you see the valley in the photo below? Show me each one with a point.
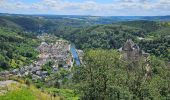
(45, 57)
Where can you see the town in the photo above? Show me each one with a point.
(60, 52)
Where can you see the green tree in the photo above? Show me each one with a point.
(97, 78)
(104, 76)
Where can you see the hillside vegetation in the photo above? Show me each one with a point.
(21, 91)
(88, 35)
(17, 48)
(156, 36)
(103, 75)
(103, 36)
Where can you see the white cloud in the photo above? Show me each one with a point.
(87, 7)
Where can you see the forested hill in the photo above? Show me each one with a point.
(103, 75)
(51, 23)
(103, 36)
(97, 32)
(155, 36)
(147, 26)
(40, 23)
(16, 48)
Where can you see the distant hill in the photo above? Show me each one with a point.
(91, 31)
(78, 19)
(9, 24)
(145, 25)
(39, 23)
(102, 36)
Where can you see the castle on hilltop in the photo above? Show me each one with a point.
(132, 52)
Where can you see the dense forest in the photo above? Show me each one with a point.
(104, 75)
(155, 36)
(17, 48)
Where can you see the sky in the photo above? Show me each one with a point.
(87, 7)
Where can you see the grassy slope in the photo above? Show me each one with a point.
(65, 93)
(22, 92)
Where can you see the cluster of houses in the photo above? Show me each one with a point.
(58, 52)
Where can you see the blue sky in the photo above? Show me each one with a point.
(87, 7)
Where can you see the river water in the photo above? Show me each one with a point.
(75, 54)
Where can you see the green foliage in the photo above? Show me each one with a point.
(66, 93)
(85, 35)
(147, 26)
(96, 77)
(20, 94)
(41, 24)
(59, 79)
(159, 47)
(48, 66)
(105, 76)
(16, 49)
(9, 24)
(102, 36)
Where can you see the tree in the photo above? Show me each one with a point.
(104, 76)
(98, 76)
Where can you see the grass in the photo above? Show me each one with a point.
(23, 92)
(19, 94)
(67, 94)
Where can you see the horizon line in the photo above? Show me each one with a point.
(87, 15)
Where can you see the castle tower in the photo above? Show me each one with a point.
(131, 51)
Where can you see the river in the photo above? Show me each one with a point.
(75, 54)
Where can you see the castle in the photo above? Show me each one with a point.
(132, 52)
